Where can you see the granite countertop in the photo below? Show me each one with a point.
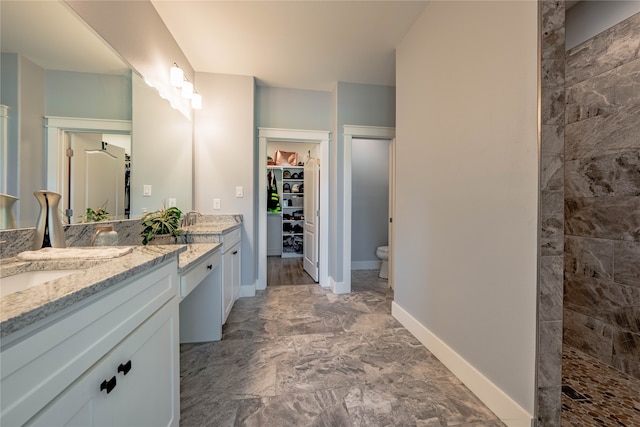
(21, 309)
(195, 253)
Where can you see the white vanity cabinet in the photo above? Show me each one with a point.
(231, 269)
(201, 304)
(111, 361)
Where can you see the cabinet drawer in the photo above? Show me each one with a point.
(230, 239)
(196, 275)
(38, 368)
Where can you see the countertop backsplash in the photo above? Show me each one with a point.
(12, 242)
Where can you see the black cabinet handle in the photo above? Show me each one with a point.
(108, 385)
(235, 252)
(209, 267)
(125, 367)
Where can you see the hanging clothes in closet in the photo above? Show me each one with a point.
(273, 199)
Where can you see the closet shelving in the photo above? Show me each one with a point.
(291, 192)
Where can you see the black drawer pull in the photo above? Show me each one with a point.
(209, 266)
(108, 385)
(235, 252)
(125, 367)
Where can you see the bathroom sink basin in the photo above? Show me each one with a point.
(28, 279)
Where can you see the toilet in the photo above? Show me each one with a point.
(383, 253)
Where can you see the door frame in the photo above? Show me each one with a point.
(323, 138)
(364, 132)
(55, 129)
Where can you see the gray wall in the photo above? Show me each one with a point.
(96, 96)
(602, 197)
(293, 108)
(355, 104)
(25, 133)
(224, 141)
(467, 186)
(370, 201)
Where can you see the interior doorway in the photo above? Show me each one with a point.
(371, 200)
(321, 139)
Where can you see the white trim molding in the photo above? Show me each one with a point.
(350, 132)
(323, 138)
(509, 412)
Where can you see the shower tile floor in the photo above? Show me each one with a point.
(301, 356)
(595, 394)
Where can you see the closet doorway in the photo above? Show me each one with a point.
(299, 230)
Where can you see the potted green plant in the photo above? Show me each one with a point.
(95, 215)
(164, 222)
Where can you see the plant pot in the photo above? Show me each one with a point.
(162, 239)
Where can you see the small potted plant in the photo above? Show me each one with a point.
(95, 215)
(161, 227)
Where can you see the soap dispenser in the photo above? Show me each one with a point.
(49, 231)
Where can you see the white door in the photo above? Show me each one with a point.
(311, 219)
(97, 176)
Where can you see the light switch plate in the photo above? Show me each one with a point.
(216, 204)
(239, 191)
(172, 202)
(146, 190)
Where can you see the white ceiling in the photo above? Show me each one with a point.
(293, 44)
(50, 35)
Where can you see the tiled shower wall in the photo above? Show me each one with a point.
(602, 197)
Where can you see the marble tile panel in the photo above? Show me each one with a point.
(209, 412)
(626, 347)
(368, 321)
(603, 217)
(614, 304)
(330, 344)
(549, 408)
(616, 46)
(552, 223)
(589, 335)
(593, 97)
(627, 263)
(552, 140)
(552, 29)
(550, 360)
(627, 174)
(553, 99)
(321, 408)
(552, 72)
(590, 177)
(552, 174)
(627, 89)
(589, 257)
(601, 135)
(308, 325)
(550, 300)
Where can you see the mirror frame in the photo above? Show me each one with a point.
(55, 128)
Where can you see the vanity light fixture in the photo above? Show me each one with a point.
(176, 76)
(180, 81)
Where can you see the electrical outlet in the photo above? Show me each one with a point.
(146, 190)
(172, 202)
(216, 204)
(239, 191)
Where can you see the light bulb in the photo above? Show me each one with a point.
(187, 90)
(176, 76)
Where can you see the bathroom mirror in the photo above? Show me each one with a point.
(53, 65)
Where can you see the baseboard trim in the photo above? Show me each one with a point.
(365, 265)
(248, 291)
(338, 287)
(509, 412)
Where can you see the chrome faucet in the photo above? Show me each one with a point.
(191, 218)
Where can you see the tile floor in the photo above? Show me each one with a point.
(595, 394)
(301, 356)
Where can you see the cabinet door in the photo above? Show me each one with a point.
(148, 374)
(236, 256)
(147, 395)
(227, 284)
